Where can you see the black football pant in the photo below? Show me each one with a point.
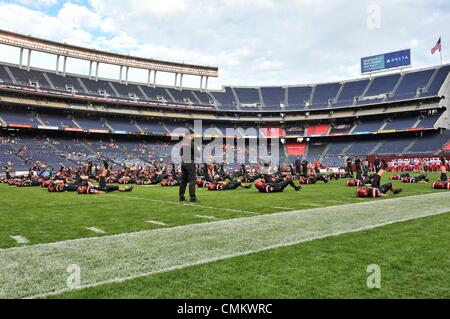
(188, 175)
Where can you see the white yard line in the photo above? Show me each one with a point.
(41, 270)
(96, 230)
(156, 223)
(20, 239)
(279, 207)
(187, 204)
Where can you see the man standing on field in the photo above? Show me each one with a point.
(189, 152)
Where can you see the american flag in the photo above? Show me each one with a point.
(436, 47)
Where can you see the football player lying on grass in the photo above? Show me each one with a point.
(225, 186)
(376, 189)
(102, 187)
(278, 187)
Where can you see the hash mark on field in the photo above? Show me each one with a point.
(96, 230)
(206, 217)
(156, 223)
(20, 239)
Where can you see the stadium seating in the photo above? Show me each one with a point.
(298, 97)
(324, 95)
(66, 83)
(225, 99)
(273, 97)
(125, 125)
(20, 117)
(183, 96)
(350, 91)
(4, 76)
(436, 84)
(56, 120)
(368, 126)
(26, 78)
(393, 146)
(429, 121)
(380, 86)
(90, 123)
(337, 129)
(128, 91)
(410, 85)
(401, 123)
(429, 144)
(151, 127)
(361, 148)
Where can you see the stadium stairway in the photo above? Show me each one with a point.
(261, 106)
(375, 149)
(431, 79)
(238, 103)
(170, 95)
(13, 79)
(38, 118)
(395, 87)
(75, 122)
(114, 89)
(139, 128)
(325, 151)
(107, 124)
(367, 88)
(410, 145)
(83, 86)
(49, 81)
(417, 122)
(345, 149)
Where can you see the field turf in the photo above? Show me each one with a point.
(413, 255)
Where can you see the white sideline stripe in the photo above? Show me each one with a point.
(156, 222)
(187, 204)
(206, 217)
(20, 239)
(41, 270)
(96, 230)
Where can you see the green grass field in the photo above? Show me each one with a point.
(413, 254)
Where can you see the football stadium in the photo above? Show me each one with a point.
(116, 188)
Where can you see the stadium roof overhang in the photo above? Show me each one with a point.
(72, 51)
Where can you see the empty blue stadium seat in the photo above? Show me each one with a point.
(410, 84)
(298, 96)
(323, 94)
(350, 91)
(273, 97)
(225, 99)
(401, 123)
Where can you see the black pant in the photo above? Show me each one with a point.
(188, 175)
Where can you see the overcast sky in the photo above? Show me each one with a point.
(253, 42)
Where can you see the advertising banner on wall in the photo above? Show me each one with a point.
(386, 61)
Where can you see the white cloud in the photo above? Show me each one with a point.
(78, 16)
(38, 3)
(258, 42)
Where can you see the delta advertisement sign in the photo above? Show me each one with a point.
(386, 61)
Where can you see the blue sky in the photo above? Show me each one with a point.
(253, 42)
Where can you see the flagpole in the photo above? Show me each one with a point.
(440, 51)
